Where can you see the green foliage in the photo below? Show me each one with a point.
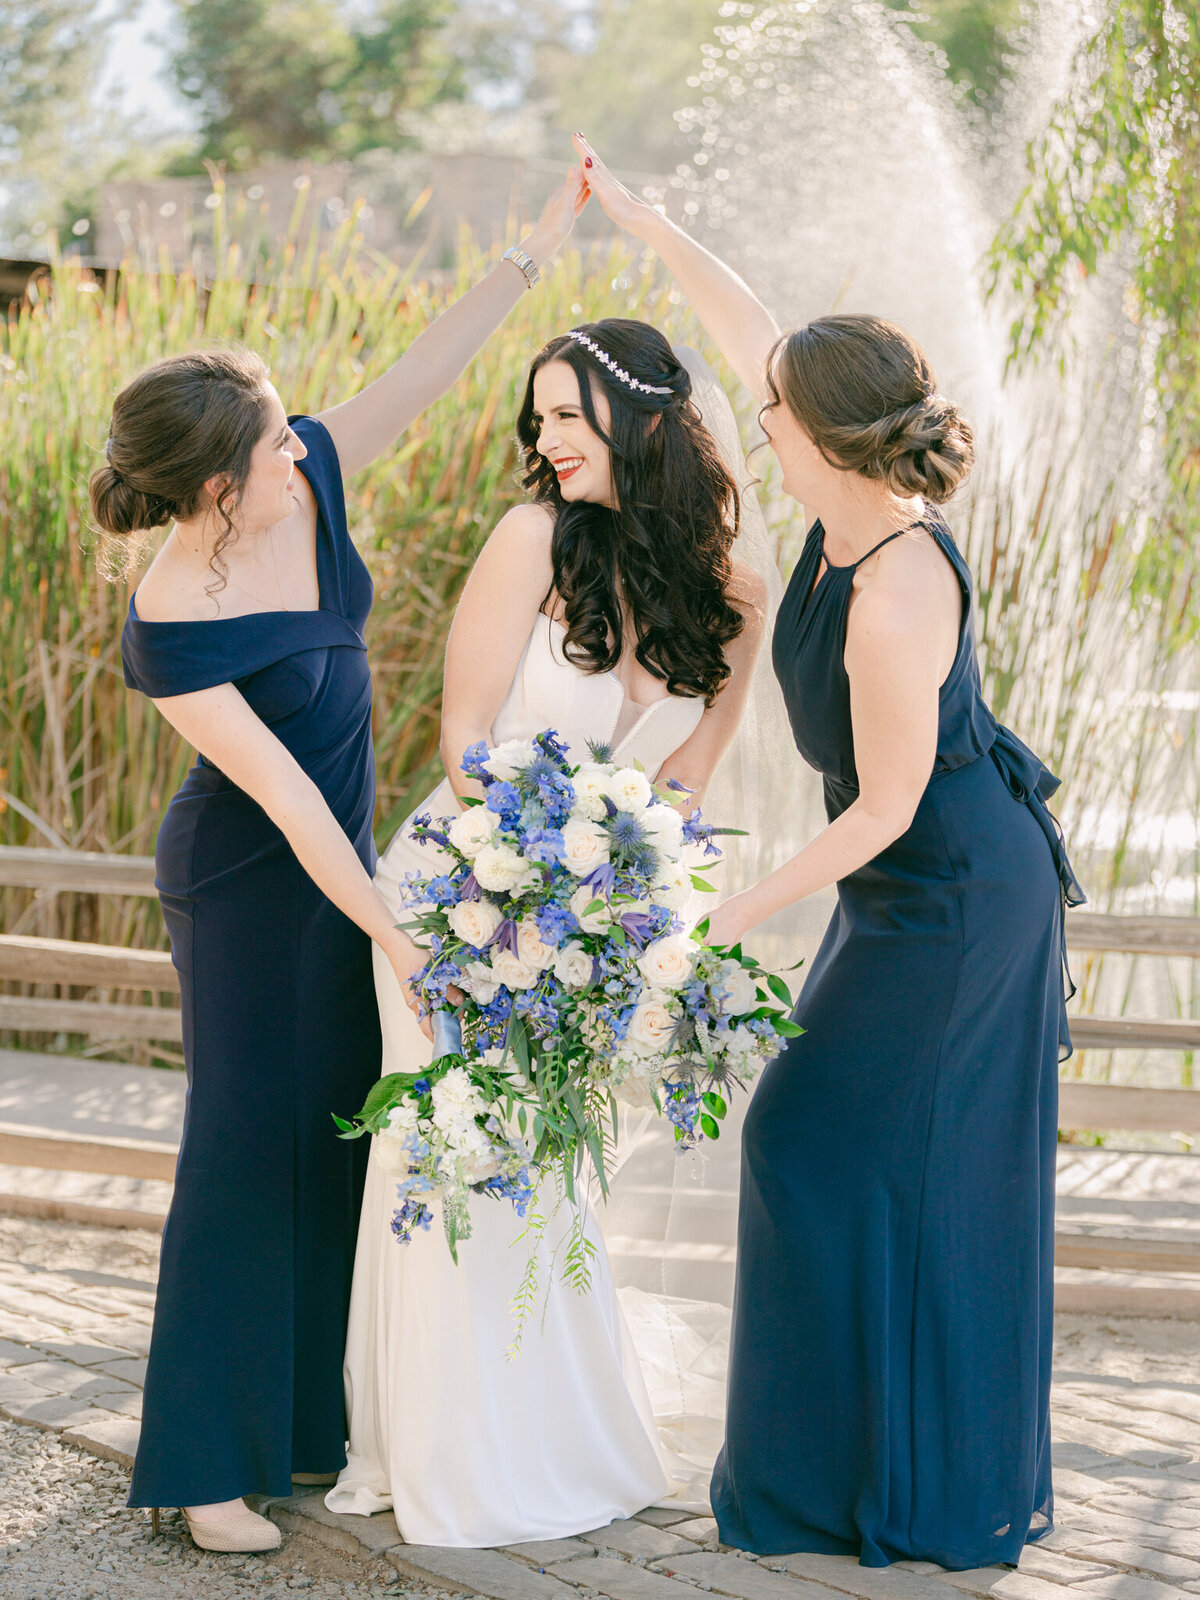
(51, 53)
(1115, 176)
(974, 36)
(291, 78)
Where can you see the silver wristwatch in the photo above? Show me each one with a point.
(526, 263)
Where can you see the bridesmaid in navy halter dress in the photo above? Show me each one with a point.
(890, 1361)
(247, 632)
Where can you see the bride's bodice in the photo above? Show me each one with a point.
(548, 691)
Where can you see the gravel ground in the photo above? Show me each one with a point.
(65, 1535)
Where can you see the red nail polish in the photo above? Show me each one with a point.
(587, 161)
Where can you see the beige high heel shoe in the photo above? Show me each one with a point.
(233, 1532)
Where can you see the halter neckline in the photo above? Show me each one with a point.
(875, 549)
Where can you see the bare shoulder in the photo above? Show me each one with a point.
(909, 585)
(527, 527)
(168, 592)
(747, 593)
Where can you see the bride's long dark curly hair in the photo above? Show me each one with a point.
(658, 558)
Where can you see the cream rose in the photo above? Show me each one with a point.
(512, 972)
(674, 886)
(499, 867)
(651, 1027)
(532, 948)
(668, 963)
(477, 1156)
(739, 992)
(591, 785)
(511, 757)
(474, 921)
(598, 921)
(665, 827)
(480, 982)
(573, 966)
(630, 789)
(585, 846)
(472, 829)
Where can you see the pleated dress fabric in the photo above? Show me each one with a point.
(890, 1363)
(280, 1028)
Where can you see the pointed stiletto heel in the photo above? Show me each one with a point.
(155, 1524)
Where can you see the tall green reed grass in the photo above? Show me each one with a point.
(88, 765)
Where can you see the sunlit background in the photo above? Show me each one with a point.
(1014, 181)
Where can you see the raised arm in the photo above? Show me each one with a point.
(741, 326)
(366, 425)
(495, 616)
(219, 723)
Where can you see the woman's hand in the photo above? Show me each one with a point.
(730, 921)
(616, 201)
(407, 957)
(553, 227)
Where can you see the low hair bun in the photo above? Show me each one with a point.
(928, 449)
(865, 393)
(120, 508)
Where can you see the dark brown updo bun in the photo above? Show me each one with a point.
(865, 394)
(183, 421)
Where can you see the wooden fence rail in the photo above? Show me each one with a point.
(108, 970)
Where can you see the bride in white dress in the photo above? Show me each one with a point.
(609, 608)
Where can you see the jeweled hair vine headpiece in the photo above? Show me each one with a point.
(605, 360)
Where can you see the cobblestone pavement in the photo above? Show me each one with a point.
(74, 1328)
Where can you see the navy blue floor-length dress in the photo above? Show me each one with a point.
(890, 1365)
(280, 1029)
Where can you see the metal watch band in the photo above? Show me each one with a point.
(526, 263)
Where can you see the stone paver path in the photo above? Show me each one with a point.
(1127, 1469)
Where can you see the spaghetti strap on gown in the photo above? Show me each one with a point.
(890, 1362)
(280, 1028)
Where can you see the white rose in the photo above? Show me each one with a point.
(480, 982)
(499, 867)
(632, 1080)
(590, 784)
(493, 1056)
(741, 1041)
(478, 1159)
(598, 921)
(509, 758)
(456, 1092)
(391, 1142)
(532, 948)
(512, 972)
(474, 921)
(472, 829)
(630, 789)
(739, 992)
(585, 846)
(665, 827)
(668, 963)
(674, 886)
(573, 966)
(650, 1027)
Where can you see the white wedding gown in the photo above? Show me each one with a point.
(469, 1446)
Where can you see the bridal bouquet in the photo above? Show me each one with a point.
(555, 914)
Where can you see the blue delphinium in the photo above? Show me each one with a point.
(412, 1214)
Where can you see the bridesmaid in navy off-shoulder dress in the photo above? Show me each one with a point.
(890, 1365)
(280, 1029)
(264, 866)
